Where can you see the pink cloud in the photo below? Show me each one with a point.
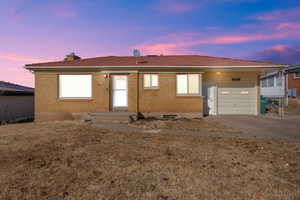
(184, 43)
(285, 27)
(279, 48)
(280, 53)
(176, 6)
(288, 25)
(17, 58)
(13, 71)
(280, 15)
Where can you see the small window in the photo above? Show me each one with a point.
(278, 80)
(297, 75)
(75, 86)
(264, 83)
(188, 84)
(151, 81)
(271, 81)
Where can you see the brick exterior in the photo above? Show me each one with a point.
(294, 83)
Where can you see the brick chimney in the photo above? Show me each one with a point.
(71, 56)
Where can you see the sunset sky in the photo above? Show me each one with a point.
(45, 30)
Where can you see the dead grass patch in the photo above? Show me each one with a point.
(184, 124)
(71, 160)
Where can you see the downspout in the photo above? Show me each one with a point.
(286, 87)
(138, 92)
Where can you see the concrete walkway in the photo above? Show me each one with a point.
(265, 127)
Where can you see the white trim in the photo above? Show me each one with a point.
(171, 72)
(118, 72)
(112, 93)
(190, 94)
(155, 66)
(150, 86)
(60, 95)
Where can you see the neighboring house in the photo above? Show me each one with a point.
(273, 84)
(281, 83)
(293, 85)
(152, 85)
(16, 102)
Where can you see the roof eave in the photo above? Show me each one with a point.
(156, 66)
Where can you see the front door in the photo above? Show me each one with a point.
(120, 92)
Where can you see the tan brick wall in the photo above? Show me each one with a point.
(48, 106)
(165, 99)
(294, 83)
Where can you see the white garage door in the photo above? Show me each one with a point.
(237, 98)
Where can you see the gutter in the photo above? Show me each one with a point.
(154, 66)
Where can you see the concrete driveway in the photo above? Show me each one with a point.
(264, 127)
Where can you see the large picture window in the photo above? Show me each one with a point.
(188, 84)
(151, 81)
(75, 86)
(297, 75)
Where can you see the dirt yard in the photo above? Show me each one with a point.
(72, 160)
(184, 125)
(293, 107)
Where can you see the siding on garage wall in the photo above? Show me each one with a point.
(225, 77)
(236, 102)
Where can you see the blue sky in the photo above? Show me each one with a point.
(34, 30)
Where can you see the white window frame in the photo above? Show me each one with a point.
(297, 77)
(60, 95)
(151, 86)
(264, 83)
(271, 79)
(278, 81)
(190, 94)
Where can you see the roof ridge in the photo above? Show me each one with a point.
(183, 60)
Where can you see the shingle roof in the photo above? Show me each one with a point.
(6, 87)
(182, 60)
(293, 68)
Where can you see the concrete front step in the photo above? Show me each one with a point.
(100, 117)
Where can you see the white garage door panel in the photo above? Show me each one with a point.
(237, 98)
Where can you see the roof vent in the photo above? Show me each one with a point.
(71, 56)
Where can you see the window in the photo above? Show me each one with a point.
(188, 84)
(151, 81)
(75, 86)
(278, 80)
(264, 83)
(271, 81)
(297, 75)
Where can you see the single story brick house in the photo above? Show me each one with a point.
(186, 85)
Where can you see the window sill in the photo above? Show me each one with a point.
(151, 88)
(75, 99)
(188, 95)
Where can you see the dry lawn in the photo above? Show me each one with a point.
(293, 107)
(71, 160)
(184, 125)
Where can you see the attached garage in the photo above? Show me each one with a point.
(237, 98)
